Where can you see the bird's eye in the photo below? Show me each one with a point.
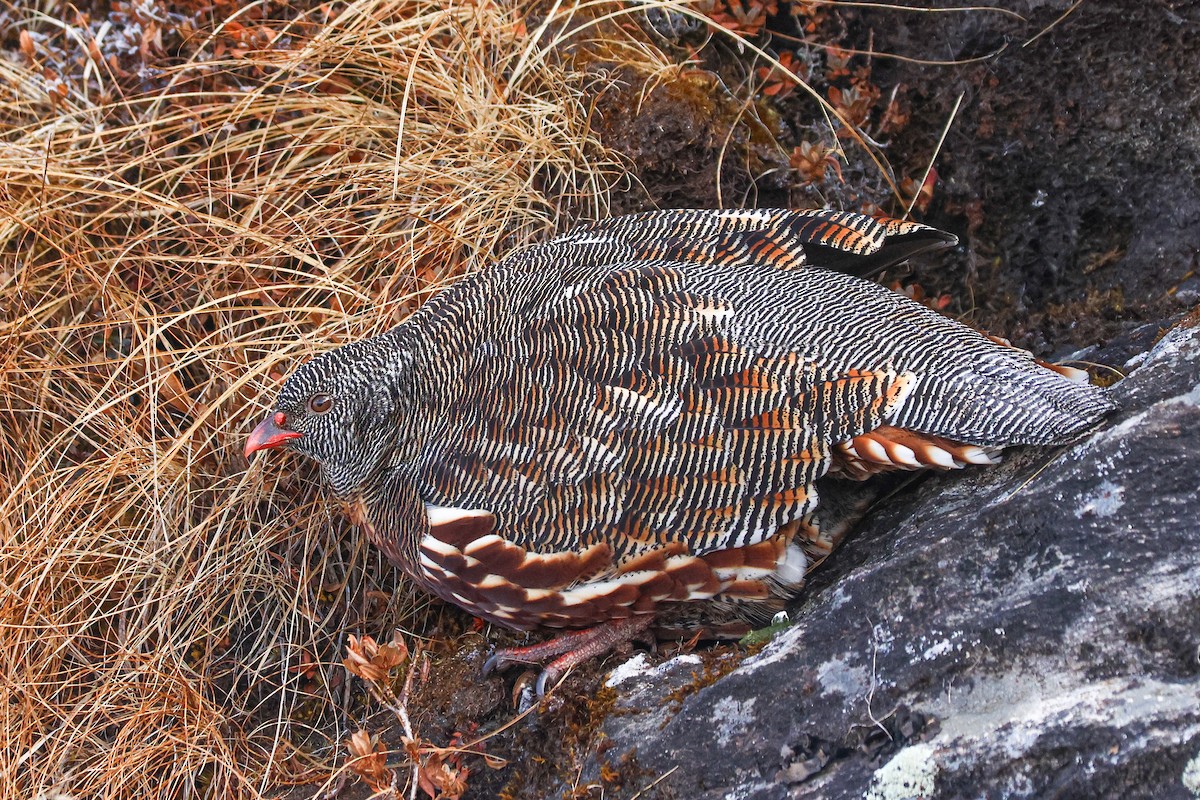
(320, 403)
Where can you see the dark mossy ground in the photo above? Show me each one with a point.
(1073, 166)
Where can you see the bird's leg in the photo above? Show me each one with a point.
(572, 648)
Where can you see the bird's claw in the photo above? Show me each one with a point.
(569, 649)
(496, 661)
(545, 677)
(501, 660)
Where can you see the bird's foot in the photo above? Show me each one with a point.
(572, 648)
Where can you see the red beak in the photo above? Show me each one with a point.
(269, 433)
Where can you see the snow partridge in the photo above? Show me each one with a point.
(629, 421)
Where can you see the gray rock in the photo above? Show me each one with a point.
(1030, 630)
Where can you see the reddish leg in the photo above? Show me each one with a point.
(572, 648)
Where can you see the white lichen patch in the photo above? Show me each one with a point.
(731, 717)
(930, 649)
(1104, 502)
(639, 667)
(910, 775)
(1137, 422)
(748, 790)
(836, 675)
(1005, 717)
(1191, 776)
(883, 637)
(939, 648)
(1180, 340)
(634, 667)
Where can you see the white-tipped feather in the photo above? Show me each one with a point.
(442, 515)
(430, 567)
(480, 543)
(903, 456)
(436, 545)
(591, 591)
(976, 455)
(938, 456)
(494, 582)
(871, 450)
(731, 574)
(1072, 373)
(792, 566)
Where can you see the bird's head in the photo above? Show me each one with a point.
(341, 410)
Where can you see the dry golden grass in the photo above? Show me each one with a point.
(172, 622)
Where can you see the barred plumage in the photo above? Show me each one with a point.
(632, 417)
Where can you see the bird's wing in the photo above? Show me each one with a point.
(632, 411)
(779, 238)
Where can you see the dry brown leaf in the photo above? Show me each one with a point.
(372, 661)
(368, 760)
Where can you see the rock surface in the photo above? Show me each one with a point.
(1030, 630)
(1073, 166)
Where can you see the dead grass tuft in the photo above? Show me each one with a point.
(192, 201)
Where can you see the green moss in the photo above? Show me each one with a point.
(757, 639)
